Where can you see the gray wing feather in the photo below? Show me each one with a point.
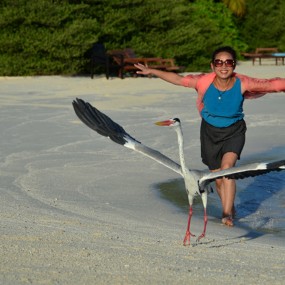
(105, 126)
(241, 172)
(159, 157)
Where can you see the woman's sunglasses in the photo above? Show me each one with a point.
(227, 62)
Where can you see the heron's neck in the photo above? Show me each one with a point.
(181, 149)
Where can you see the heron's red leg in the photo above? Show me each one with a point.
(205, 225)
(188, 233)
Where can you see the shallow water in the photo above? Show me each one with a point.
(260, 202)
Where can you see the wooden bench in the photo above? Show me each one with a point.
(153, 62)
(265, 53)
(169, 65)
(126, 59)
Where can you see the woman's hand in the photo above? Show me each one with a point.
(143, 69)
(165, 75)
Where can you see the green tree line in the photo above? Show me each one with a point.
(42, 37)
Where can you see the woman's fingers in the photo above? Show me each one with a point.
(143, 68)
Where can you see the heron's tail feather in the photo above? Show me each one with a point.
(100, 122)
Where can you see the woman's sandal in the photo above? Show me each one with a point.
(228, 221)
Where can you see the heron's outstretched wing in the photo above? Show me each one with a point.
(105, 126)
(241, 172)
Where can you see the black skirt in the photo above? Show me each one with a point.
(215, 142)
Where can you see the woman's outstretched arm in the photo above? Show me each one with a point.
(165, 75)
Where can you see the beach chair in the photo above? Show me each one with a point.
(102, 61)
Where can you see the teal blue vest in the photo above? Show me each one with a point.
(223, 108)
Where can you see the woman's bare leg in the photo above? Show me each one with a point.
(226, 188)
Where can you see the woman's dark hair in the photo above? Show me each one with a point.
(228, 49)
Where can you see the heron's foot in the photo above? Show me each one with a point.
(203, 234)
(228, 221)
(187, 238)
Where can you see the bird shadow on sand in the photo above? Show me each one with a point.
(251, 193)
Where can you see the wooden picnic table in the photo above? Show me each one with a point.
(265, 53)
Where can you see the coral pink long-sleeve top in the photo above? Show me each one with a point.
(253, 87)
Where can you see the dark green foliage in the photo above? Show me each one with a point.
(263, 24)
(177, 29)
(53, 36)
(44, 37)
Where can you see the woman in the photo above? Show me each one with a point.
(221, 94)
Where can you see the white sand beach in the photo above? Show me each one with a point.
(77, 208)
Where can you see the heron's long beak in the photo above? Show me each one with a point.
(164, 123)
